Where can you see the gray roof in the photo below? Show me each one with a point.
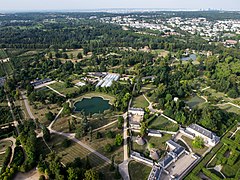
(179, 150)
(166, 161)
(176, 145)
(201, 130)
(155, 173)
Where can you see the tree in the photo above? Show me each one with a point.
(91, 175)
(72, 174)
(143, 129)
(46, 133)
(117, 175)
(108, 148)
(79, 55)
(66, 143)
(66, 109)
(198, 142)
(120, 122)
(49, 116)
(118, 140)
(232, 93)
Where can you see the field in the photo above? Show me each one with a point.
(74, 151)
(4, 145)
(97, 94)
(60, 87)
(195, 101)
(157, 142)
(61, 124)
(195, 150)
(230, 108)
(138, 170)
(139, 102)
(161, 123)
(99, 144)
(160, 52)
(39, 110)
(2, 156)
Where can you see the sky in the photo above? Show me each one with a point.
(37, 5)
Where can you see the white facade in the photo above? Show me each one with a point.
(209, 137)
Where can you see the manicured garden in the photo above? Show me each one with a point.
(60, 87)
(4, 145)
(161, 123)
(140, 102)
(199, 151)
(195, 101)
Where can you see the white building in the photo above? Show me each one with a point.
(209, 137)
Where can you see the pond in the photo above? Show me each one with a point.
(191, 56)
(92, 105)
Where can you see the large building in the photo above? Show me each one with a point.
(135, 116)
(209, 137)
(108, 80)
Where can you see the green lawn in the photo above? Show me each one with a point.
(140, 102)
(195, 150)
(195, 101)
(157, 142)
(138, 171)
(2, 156)
(230, 108)
(60, 87)
(75, 150)
(161, 123)
(4, 145)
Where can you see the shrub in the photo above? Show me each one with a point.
(108, 148)
(66, 143)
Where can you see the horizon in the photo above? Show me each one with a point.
(79, 5)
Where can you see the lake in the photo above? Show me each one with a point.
(92, 105)
(191, 56)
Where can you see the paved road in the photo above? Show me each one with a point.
(56, 91)
(27, 105)
(109, 124)
(50, 125)
(45, 84)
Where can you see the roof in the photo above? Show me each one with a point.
(166, 161)
(171, 142)
(201, 130)
(155, 173)
(140, 140)
(178, 151)
(154, 155)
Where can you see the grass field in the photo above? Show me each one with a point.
(160, 52)
(161, 123)
(195, 150)
(195, 101)
(4, 145)
(75, 150)
(2, 156)
(230, 108)
(39, 110)
(97, 94)
(99, 144)
(139, 102)
(138, 170)
(60, 87)
(157, 142)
